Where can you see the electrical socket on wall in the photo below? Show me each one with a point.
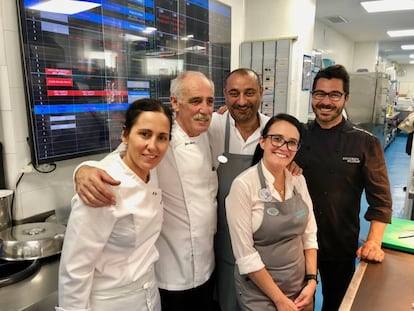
(28, 168)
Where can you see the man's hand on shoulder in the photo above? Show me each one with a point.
(91, 186)
(294, 169)
(222, 109)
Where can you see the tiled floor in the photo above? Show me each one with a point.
(398, 164)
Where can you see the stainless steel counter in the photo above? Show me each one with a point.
(37, 292)
(382, 287)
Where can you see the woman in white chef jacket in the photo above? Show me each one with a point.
(272, 225)
(108, 255)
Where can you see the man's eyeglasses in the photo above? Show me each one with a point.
(320, 95)
(279, 141)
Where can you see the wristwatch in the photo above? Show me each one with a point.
(309, 277)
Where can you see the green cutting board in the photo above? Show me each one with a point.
(397, 228)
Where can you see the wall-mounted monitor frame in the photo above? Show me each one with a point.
(82, 69)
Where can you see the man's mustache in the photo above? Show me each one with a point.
(201, 117)
(325, 106)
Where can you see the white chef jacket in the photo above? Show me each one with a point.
(237, 145)
(189, 188)
(244, 211)
(114, 246)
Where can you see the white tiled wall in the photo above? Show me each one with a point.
(12, 105)
(38, 193)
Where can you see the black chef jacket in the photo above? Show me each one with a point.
(339, 164)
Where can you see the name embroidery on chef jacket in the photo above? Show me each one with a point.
(351, 160)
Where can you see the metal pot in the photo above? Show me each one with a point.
(5, 208)
(31, 241)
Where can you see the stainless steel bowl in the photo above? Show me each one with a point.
(31, 241)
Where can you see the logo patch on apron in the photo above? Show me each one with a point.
(272, 211)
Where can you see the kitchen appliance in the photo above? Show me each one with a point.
(29, 253)
(29, 276)
(12, 272)
(368, 102)
(36, 291)
(31, 241)
(6, 198)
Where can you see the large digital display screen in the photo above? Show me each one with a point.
(84, 66)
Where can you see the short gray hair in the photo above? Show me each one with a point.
(176, 87)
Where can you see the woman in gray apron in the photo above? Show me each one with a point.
(272, 226)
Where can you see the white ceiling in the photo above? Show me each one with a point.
(363, 26)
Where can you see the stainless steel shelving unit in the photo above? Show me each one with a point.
(367, 106)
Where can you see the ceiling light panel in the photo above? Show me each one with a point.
(407, 47)
(387, 5)
(401, 33)
(67, 7)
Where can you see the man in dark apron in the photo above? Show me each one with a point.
(237, 131)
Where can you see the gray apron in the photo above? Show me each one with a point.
(279, 243)
(225, 286)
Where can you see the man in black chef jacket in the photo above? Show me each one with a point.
(340, 161)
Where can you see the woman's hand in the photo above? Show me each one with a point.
(306, 295)
(286, 304)
(265, 282)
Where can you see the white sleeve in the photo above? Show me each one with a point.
(239, 218)
(86, 235)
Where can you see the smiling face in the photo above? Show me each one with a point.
(147, 142)
(276, 158)
(194, 103)
(329, 112)
(243, 95)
